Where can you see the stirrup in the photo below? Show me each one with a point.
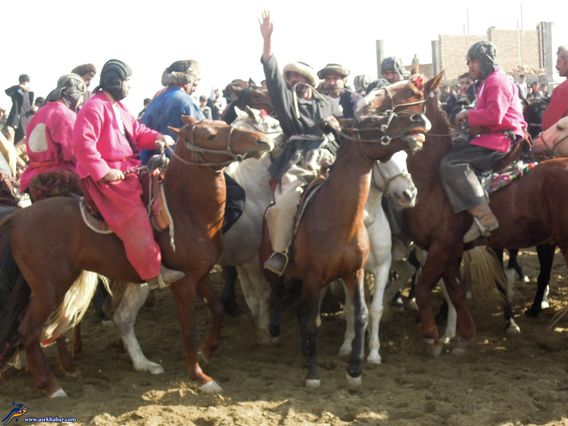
(478, 231)
(277, 263)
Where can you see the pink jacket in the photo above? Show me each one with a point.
(48, 142)
(98, 143)
(558, 106)
(497, 110)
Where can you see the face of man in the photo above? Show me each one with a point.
(474, 68)
(293, 78)
(87, 78)
(391, 76)
(334, 84)
(562, 65)
(126, 86)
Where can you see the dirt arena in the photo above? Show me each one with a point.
(501, 381)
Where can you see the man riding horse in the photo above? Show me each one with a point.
(102, 138)
(301, 110)
(498, 115)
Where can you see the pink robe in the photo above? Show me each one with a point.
(498, 109)
(99, 146)
(558, 106)
(48, 142)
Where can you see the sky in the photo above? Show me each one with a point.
(47, 38)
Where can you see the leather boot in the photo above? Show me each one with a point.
(484, 222)
(167, 276)
(277, 263)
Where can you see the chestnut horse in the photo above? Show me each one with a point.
(331, 241)
(51, 245)
(530, 212)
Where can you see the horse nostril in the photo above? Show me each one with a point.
(417, 117)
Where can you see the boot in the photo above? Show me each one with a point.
(277, 263)
(167, 276)
(484, 222)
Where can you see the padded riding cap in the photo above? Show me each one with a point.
(485, 53)
(180, 73)
(361, 82)
(84, 69)
(70, 88)
(303, 69)
(392, 64)
(114, 72)
(330, 69)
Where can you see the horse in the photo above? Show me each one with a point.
(392, 179)
(50, 246)
(529, 210)
(331, 240)
(240, 94)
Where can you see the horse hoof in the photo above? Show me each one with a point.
(73, 374)
(59, 393)
(513, 329)
(544, 304)
(156, 369)
(353, 382)
(436, 349)
(211, 387)
(312, 383)
(460, 347)
(374, 359)
(203, 357)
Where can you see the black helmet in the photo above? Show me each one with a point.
(485, 53)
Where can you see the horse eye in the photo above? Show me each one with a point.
(410, 93)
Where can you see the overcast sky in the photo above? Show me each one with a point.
(47, 38)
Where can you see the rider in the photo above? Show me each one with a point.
(301, 110)
(166, 109)
(333, 76)
(51, 170)
(103, 139)
(392, 69)
(558, 106)
(499, 115)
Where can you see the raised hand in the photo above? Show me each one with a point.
(266, 26)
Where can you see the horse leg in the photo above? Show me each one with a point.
(546, 258)
(435, 265)
(348, 314)
(65, 359)
(184, 293)
(77, 341)
(206, 292)
(355, 284)
(262, 292)
(251, 298)
(228, 297)
(30, 329)
(514, 264)
(307, 317)
(124, 317)
(506, 292)
(456, 291)
(451, 316)
(380, 261)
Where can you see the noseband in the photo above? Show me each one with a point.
(199, 151)
(388, 181)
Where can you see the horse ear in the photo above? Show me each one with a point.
(250, 112)
(240, 113)
(433, 84)
(176, 130)
(188, 120)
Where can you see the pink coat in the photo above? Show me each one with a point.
(558, 106)
(497, 110)
(98, 143)
(48, 142)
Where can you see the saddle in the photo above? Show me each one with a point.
(521, 148)
(153, 197)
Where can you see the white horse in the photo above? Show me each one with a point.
(390, 178)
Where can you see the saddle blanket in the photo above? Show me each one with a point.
(493, 182)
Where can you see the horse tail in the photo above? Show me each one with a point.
(14, 300)
(73, 307)
(481, 270)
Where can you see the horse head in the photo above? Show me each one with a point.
(392, 179)
(533, 115)
(260, 121)
(217, 144)
(554, 139)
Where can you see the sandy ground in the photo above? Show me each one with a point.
(500, 381)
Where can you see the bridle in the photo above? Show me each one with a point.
(387, 181)
(546, 144)
(198, 152)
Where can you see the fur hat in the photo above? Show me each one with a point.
(180, 73)
(84, 69)
(333, 69)
(303, 69)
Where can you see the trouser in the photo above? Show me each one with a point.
(121, 206)
(235, 204)
(280, 216)
(458, 173)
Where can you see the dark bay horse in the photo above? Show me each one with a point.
(51, 245)
(331, 241)
(531, 211)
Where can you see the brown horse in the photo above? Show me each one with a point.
(331, 241)
(51, 245)
(530, 212)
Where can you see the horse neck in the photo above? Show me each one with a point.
(347, 187)
(197, 189)
(423, 165)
